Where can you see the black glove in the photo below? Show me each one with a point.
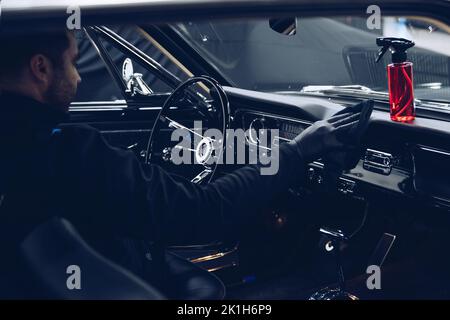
(326, 136)
(339, 160)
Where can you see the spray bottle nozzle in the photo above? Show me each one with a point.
(397, 46)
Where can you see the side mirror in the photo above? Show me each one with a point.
(134, 82)
(286, 26)
(127, 70)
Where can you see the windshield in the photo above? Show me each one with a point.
(323, 51)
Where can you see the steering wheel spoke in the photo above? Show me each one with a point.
(176, 125)
(198, 179)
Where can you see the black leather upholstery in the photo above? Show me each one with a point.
(55, 245)
(190, 282)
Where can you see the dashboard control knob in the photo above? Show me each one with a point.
(319, 179)
(346, 186)
(166, 154)
(311, 173)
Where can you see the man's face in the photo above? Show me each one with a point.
(63, 88)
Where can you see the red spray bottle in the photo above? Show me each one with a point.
(400, 78)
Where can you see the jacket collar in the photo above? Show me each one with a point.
(22, 113)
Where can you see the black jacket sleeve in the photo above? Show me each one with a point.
(147, 202)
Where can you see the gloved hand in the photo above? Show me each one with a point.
(325, 136)
(346, 159)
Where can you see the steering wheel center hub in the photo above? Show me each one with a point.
(204, 150)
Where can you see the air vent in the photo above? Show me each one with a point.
(378, 161)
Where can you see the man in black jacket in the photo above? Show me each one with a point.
(104, 191)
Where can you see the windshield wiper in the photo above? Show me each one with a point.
(350, 90)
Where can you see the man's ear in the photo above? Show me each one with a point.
(41, 69)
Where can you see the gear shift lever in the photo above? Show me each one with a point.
(332, 245)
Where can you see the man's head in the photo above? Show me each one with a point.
(41, 66)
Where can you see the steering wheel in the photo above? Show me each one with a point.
(209, 148)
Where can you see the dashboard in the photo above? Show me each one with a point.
(406, 161)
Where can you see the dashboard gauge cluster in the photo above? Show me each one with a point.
(290, 129)
(287, 128)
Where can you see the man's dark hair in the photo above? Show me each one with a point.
(17, 50)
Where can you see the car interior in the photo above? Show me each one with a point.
(143, 80)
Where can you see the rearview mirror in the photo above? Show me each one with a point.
(286, 26)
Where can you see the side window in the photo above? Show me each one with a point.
(141, 40)
(135, 37)
(96, 85)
